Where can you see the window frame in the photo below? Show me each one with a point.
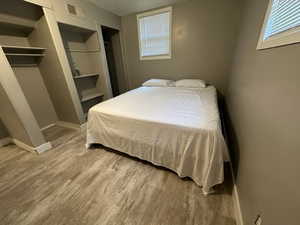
(153, 13)
(287, 37)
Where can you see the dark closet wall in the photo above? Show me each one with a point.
(113, 49)
(263, 100)
(3, 131)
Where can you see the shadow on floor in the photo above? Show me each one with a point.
(224, 188)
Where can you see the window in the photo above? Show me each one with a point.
(282, 24)
(155, 32)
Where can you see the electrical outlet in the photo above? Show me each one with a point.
(258, 220)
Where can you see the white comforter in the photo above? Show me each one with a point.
(177, 128)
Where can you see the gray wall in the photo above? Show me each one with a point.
(204, 34)
(91, 13)
(263, 100)
(40, 104)
(11, 119)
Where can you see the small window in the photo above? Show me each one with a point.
(155, 32)
(282, 24)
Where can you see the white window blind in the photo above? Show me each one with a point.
(285, 15)
(155, 34)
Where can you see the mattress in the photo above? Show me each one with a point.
(177, 128)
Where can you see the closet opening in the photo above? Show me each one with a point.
(82, 48)
(32, 79)
(113, 52)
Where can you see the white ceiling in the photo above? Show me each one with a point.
(125, 7)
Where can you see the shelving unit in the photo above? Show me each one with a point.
(83, 52)
(22, 41)
(16, 48)
(28, 106)
(86, 76)
(40, 84)
(23, 51)
(91, 95)
(23, 25)
(23, 54)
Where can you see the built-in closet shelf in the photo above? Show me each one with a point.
(86, 76)
(83, 51)
(91, 95)
(29, 55)
(13, 22)
(7, 47)
(24, 65)
(23, 51)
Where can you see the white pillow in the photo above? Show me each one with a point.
(190, 83)
(159, 83)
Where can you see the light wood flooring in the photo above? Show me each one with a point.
(58, 135)
(72, 186)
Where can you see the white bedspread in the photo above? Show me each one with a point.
(177, 128)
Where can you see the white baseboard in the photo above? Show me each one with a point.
(83, 127)
(73, 126)
(236, 200)
(68, 125)
(23, 145)
(47, 127)
(43, 148)
(5, 141)
(40, 149)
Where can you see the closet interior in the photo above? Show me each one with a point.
(26, 41)
(83, 51)
(113, 50)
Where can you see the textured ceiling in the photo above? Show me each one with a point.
(125, 7)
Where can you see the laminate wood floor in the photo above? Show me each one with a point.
(58, 135)
(71, 186)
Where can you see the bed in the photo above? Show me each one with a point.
(173, 127)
